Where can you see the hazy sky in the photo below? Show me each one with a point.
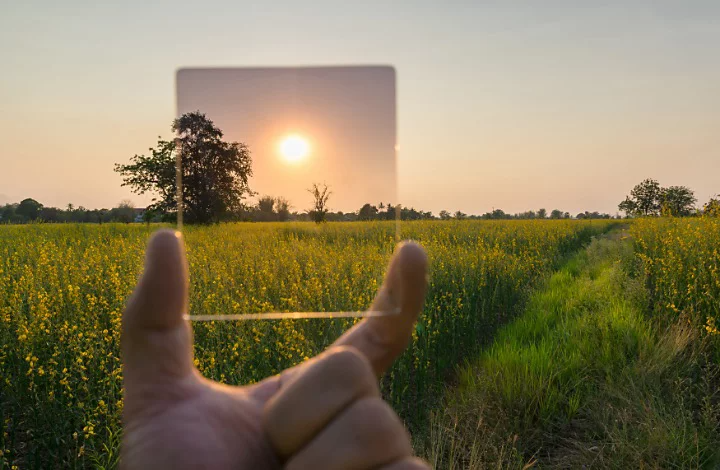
(342, 117)
(515, 105)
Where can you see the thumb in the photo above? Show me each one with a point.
(156, 341)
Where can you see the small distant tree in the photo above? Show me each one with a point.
(124, 212)
(712, 207)
(445, 215)
(460, 215)
(29, 209)
(320, 194)
(282, 208)
(677, 201)
(148, 215)
(542, 213)
(526, 215)
(556, 214)
(265, 209)
(7, 213)
(368, 212)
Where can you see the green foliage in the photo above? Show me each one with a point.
(649, 199)
(712, 207)
(584, 378)
(215, 173)
(677, 201)
(29, 209)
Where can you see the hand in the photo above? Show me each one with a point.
(323, 414)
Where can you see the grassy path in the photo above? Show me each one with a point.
(584, 378)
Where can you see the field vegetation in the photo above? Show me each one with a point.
(63, 287)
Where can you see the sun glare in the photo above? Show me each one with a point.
(294, 148)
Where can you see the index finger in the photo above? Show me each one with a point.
(382, 339)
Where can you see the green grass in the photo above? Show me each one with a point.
(584, 378)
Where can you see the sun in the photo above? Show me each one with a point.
(294, 148)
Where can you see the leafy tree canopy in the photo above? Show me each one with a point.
(215, 173)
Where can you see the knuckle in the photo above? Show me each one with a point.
(349, 366)
(378, 428)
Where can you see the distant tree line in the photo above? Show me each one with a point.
(649, 199)
(30, 210)
(266, 209)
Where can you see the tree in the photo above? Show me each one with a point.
(712, 207)
(320, 197)
(29, 209)
(445, 215)
(542, 213)
(7, 213)
(644, 199)
(368, 212)
(265, 209)
(148, 216)
(556, 214)
(628, 206)
(282, 208)
(677, 201)
(215, 173)
(526, 215)
(460, 215)
(124, 212)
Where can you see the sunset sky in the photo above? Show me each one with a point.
(512, 105)
(331, 126)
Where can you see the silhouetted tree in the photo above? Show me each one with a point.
(215, 173)
(282, 208)
(265, 209)
(628, 206)
(542, 213)
(320, 198)
(368, 212)
(29, 209)
(124, 212)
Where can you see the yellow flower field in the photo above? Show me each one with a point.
(681, 259)
(63, 287)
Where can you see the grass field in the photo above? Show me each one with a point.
(63, 287)
(612, 364)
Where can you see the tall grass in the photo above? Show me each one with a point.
(62, 288)
(584, 378)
